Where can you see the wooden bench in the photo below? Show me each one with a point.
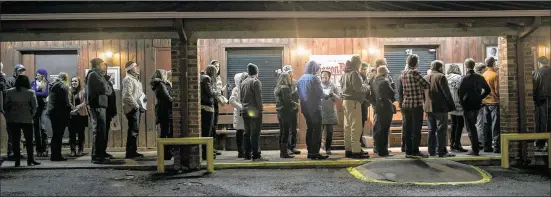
(161, 142)
(505, 138)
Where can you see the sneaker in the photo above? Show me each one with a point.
(446, 155)
(259, 159)
(420, 154)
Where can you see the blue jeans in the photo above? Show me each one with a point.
(491, 126)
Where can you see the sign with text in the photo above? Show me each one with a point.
(333, 63)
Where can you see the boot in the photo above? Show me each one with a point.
(283, 151)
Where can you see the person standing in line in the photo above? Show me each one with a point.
(328, 108)
(365, 103)
(97, 91)
(371, 77)
(18, 69)
(79, 118)
(413, 89)
(441, 103)
(110, 112)
(41, 87)
(59, 112)
(163, 106)
(542, 97)
(294, 114)
(284, 106)
(235, 102)
(133, 101)
(491, 109)
(251, 98)
(20, 106)
(208, 92)
(480, 68)
(2, 95)
(383, 94)
(353, 94)
(220, 88)
(454, 80)
(472, 90)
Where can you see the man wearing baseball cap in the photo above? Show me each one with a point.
(18, 69)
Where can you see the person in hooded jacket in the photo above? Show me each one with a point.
(163, 107)
(354, 90)
(310, 94)
(79, 118)
(284, 106)
(328, 108)
(18, 69)
(458, 122)
(294, 96)
(238, 124)
(41, 87)
(59, 109)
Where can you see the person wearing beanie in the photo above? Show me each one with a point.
(491, 109)
(133, 104)
(294, 114)
(542, 96)
(251, 99)
(41, 87)
(18, 69)
(354, 91)
(97, 91)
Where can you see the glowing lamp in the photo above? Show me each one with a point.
(108, 54)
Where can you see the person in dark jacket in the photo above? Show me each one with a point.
(383, 95)
(110, 113)
(471, 94)
(251, 98)
(365, 103)
(41, 87)
(59, 109)
(97, 91)
(371, 77)
(441, 104)
(328, 108)
(542, 97)
(2, 95)
(354, 90)
(294, 96)
(10, 83)
(310, 94)
(163, 108)
(79, 118)
(208, 80)
(284, 106)
(219, 91)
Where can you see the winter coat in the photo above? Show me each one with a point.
(10, 81)
(328, 107)
(309, 90)
(250, 94)
(97, 89)
(207, 91)
(111, 100)
(542, 85)
(439, 93)
(353, 86)
(81, 105)
(470, 91)
(2, 91)
(59, 105)
(41, 91)
(284, 102)
(383, 94)
(163, 95)
(20, 105)
(131, 92)
(235, 102)
(454, 81)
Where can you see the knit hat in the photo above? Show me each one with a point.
(543, 60)
(252, 69)
(129, 65)
(287, 68)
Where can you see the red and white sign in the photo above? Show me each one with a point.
(333, 63)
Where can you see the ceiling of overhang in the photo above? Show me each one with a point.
(97, 7)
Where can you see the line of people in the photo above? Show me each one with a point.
(68, 103)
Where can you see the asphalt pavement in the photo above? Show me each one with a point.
(251, 182)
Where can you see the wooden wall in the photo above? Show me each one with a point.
(149, 53)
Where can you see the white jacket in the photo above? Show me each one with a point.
(454, 80)
(237, 106)
(131, 92)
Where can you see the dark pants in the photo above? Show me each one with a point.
(470, 124)
(239, 140)
(313, 132)
(543, 120)
(27, 129)
(437, 133)
(206, 128)
(253, 126)
(284, 129)
(215, 121)
(58, 129)
(328, 135)
(166, 132)
(76, 128)
(491, 126)
(108, 121)
(293, 131)
(10, 147)
(382, 121)
(40, 135)
(403, 133)
(133, 118)
(413, 122)
(99, 132)
(458, 123)
(364, 118)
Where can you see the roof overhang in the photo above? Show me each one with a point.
(274, 15)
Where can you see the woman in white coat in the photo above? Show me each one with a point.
(238, 123)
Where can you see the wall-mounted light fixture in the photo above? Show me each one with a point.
(301, 51)
(107, 54)
(372, 50)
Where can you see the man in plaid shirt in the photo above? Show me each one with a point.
(412, 91)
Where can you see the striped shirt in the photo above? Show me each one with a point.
(412, 89)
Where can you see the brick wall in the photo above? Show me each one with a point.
(186, 157)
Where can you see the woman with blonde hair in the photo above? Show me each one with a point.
(454, 76)
(163, 107)
(284, 107)
(59, 109)
(79, 117)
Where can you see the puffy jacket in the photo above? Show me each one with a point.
(454, 81)
(235, 102)
(353, 86)
(309, 89)
(41, 92)
(131, 92)
(542, 85)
